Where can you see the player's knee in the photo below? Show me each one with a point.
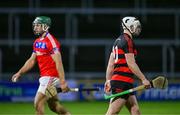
(135, 110)
(52, 103)
(56, 107)
(52, 107)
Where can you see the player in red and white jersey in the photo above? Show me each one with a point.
(46, 52)
(122, 67)
(43, 48)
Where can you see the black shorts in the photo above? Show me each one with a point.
(119, 86)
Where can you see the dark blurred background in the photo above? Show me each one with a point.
(87, 30)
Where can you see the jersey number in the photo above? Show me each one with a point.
(115, 52)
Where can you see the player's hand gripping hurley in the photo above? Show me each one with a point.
(159, 82)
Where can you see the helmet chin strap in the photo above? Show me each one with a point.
(39, 34)
(132, 34)
(127, 28)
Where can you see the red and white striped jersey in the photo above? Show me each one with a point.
(121, 72)
(44, 48)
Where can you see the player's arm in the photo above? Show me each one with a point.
(110, 67)
(135, 69)
(109, 72)
(59, 66)
(29, 64)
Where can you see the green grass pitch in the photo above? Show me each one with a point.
(93, 108)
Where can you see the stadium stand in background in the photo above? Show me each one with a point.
(86, 29)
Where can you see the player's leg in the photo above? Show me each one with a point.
(39, 102)
(117, 103)
(53, 102)
(56, 107)
(40, 97)
(132, 105)
(115, 106)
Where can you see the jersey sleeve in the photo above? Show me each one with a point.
(54, 46)
(34, 47)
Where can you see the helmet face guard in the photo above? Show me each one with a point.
(132, 24)
(137, 29)
(43, 22)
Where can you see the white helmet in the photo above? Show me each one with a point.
(131, 24)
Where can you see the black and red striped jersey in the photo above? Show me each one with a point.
(123, 44)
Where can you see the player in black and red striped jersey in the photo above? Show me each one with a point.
(122, 67)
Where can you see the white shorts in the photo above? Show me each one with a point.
(45, 81)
